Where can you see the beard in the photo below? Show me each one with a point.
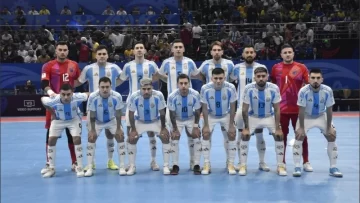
(249, 60)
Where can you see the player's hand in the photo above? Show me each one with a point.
(300, 132)
(330, 132)
(120, 133)
(245, 132)
(53, 117)
(206, 131)
(195, 132)
(175, 134)
(232, 131)
(279, 133)
(133, 135)
(164, 134)
(92, 135)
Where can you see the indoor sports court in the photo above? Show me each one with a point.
(22, 158)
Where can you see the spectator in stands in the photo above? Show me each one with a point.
(135, 11)
(26, 89)
(33, 11)
(300, 26)
(84, 51)
(44, 57)
(186, 37)
(80, 11)
(5, 11)
(65, 11)
(31, 57)
(118, 40)
(121, 11)
(196, 35)
(162, 20)
(108, 11)
(166, 10)
(129, 53)
(22, 52)
(150, 11)
(6, 37)
(44, 10)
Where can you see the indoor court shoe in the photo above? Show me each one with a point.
(197, 170)
(263, 167)
(93, 167)
(45, 169)
(80, 172)
(297, 172)
(231, 169)
(131, 171)
(122, 171)
(207, 169)
(89, 172)
(242, 170)
(154, 166)
(166, 170)
(49, 173)
(175, 170)
(192, 165)
(281, 170)
(335, 172)
(307, 167)
(111, 165)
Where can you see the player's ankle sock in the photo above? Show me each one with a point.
(175, 151)
(166, 150)
(261, 146)
(72, 153)
(297, 152)
(332, 153)
(231, 151)
(279, 150)
(244, 147)
(51, 153)
(110, 148)
(47, 157)
(191, 147)
(79, 155)
(238, 147)
(305, 152)
(152, 142)
(205, 148)
(132, 153)
(285, 145)
(90, 153)
(226, 142)
(121, 153)
(197, 151)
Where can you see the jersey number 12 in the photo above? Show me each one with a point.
(65, 77)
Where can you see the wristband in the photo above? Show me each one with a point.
(196, 125)
(50, 92)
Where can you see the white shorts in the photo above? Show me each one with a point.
(58, 126)
(260, 123)
(111, 126)
(142, 127)
(181, 124)
(239, 119)
(223, 121)
(311, 122)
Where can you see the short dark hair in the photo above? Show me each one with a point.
(105, 79)
(217, 71)
(216, 43)
(315, 70)
(101, 47)
(260, 70)
(286, 46)
(248, 46)
(178, 41)
(66, 87)
(183, 76)
(139, 42)
(62, 43)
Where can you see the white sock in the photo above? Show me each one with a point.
(110, 147)
(166, 149)
(90, 154)
(51, 155)
(79, 155)
(238, 146)
(297, 152)
(279, 150)
(205, 148)
(197, 151)
(261, 146)
(175, 152)
(244, 150)
(231, 151)
(132, 153)
(226, 143)
(191, 148)
(332, 153)
(121, 154)
(152, 143)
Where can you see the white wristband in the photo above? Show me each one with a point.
(196, 125)
(50, 92)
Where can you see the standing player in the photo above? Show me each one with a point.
(290, 76)
(105, 107)
(315, 102)
(148, 104)
(54, 74)
(244, 74)
(206, 69)
(64, 108)
(184, 104)
(92, 73)
(218, 100)
(172, 68)
(260, 97)
(135, 71)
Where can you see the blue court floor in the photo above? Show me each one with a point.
(23, 156)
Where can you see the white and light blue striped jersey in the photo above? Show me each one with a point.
(65, 111)
(209, 65)
(92, 73)
(105, 108)
(184, 107)
(135, 72)
(146, 110)
(244, 75)
(315, 103)
(218, 101)
(173, 69)
(261, 101)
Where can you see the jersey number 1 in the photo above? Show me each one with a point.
(65, 77)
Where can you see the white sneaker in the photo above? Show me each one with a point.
(89, 172)
(122, 171)
(49, 173)
(243, 170)
(80, 172)
(154, 166)
(45, 169)
(131, 171)
(281, 170)
(206, 169)
(307, 167)
(263, 167)
(231, 169)
(166, 170)
(192, 165)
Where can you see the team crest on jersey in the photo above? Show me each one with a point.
(224, 97)
(172, 67)
(255, 97)
(60, 110)
(108, 74)
(152, 105)
(96, 74)
(133, 71)
(71, 69)
(141, 105)
(179, 104)
(267, 99)
(242, 73)
(322, 100)
(211, 97)
(110, 104)
(185, 66)
(74, 108)
(146, 71)
(310, 100)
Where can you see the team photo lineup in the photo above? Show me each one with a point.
(242, 98)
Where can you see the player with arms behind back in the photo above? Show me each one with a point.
(54, 74)
(315, 102)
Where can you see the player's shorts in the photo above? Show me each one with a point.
(111, 126)
(314, 122)
(58, 126)
(260, 123)
(239, 119)
(143, 127)
(222, 120)
(181, 124)
(48, 119)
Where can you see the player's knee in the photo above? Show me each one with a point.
(278, 137)
(331, 138)
(52, 141)
(91, 139)
(258, 130)
(245, 137)
(77, 140)
(108, 134)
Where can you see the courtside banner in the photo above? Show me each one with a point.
(22, 105)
